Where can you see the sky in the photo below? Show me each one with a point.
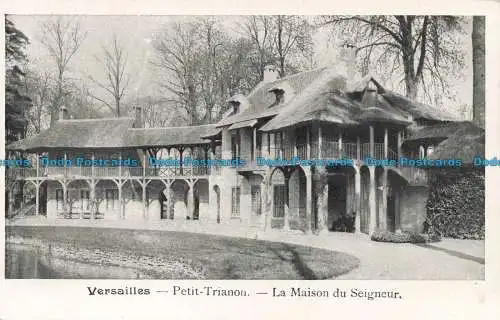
(135, 34)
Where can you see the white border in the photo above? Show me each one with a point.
(68, 299)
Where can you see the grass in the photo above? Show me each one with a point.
(221, 257)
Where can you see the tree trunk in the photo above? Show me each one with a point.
(478, 67)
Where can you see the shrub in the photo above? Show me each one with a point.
(455, 207)
(404, 237)
(344, 223)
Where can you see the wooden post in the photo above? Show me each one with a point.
(308, 141)
(340, 145)
(190, 199)
(144, 163)
(144, 200)
(372, 141)
(120, 164)
(254, 149)
(308, 200)
(386, 143)
(286, 226)
(320, 141)
(120, 199)
(92, 168)
(399, 145)
(383, 209)
(358, 149)
(37, 196)
(357, 192)
(372, 201)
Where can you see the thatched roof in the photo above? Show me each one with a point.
(464, 144)
(111, 133)
(442, 131)
(169, 137)
(331, 98)
(376, 114)
(261, 101)
(78, 134)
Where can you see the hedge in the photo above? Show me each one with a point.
(404, 237)
(455, 206)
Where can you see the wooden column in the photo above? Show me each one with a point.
(92, 168)
(340, 145)
(322, 200)
(144, 164)
(94, 208)
(320, 141)
(144, 200)
(372, 201)
(400, 153)
(190, 200)
(37, 196)
(308, 141)
(357, 197)
(254, 145)
(372, 141)
(358, 149)
(120, 164)
(383, 206)
(286, 225)
(120, 199)
(308, 200)
(386, 143)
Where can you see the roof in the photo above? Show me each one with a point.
(110, 133)
(260, 99)
(330, 97)
(443, 131)
(78, 134)
(171, 136)
(465, 144)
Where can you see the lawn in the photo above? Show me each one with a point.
(219, 257)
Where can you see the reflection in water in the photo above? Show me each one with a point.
(24, 262)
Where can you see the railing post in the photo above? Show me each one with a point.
(308, 143)
(372, 141)
(358, 149)
(320, 142)
(340, 145)
(386, 144)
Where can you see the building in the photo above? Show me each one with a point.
(318, 114)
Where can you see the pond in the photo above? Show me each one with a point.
(29, 262)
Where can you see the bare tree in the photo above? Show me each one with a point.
(478, 65)
(424, 48)
(290, 33)
(115, 64)
(62, 38)
(40, 87)
(177, 56)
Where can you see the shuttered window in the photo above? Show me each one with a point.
(235, 202)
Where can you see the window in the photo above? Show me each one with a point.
(84, 198)
(279, 201)
(235, 202)
(430, 150)
(256, 200)
(59, 199)
(111, 199)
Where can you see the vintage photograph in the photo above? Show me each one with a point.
(245, 147)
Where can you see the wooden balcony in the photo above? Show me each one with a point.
(55, 173)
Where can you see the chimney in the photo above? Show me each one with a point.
(348, 56)
(63, 113)
(271, 74)
(138, 123)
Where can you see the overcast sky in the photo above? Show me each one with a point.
(136, 32)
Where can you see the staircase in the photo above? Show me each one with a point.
(27, 210)
(415, 176)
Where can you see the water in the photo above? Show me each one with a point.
(26, 262)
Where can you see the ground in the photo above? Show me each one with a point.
(446, 260)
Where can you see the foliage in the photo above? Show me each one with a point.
(456, 203)
(404, 237)
(344, 223)
(17, 103)
(424, 50)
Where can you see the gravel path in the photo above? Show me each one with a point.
(448, 260)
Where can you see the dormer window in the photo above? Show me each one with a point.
(236, 107)
(279, 94)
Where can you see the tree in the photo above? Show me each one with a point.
(62, 38)
(424, 48)
(17, 103)
(39, 86)
(115, 64)
(478, 65)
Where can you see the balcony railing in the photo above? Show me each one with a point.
(112, 172)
